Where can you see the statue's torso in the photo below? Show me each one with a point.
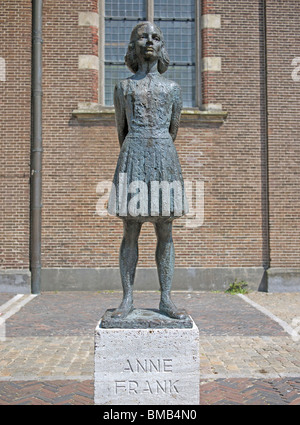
(151, 105)
(148, 105)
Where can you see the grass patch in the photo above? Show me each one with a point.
(236, 287)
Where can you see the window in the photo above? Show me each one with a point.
(179, 22)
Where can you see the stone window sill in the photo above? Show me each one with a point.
(98, 114)
(212, 115)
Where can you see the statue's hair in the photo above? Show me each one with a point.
(131, 59)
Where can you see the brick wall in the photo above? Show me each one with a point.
(15, 95)
(226, 157)
(284, 147)
(230, 158)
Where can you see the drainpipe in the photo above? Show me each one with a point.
(36, 148)
(266, 153)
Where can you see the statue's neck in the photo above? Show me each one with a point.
(147, 67)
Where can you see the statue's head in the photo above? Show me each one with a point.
(147, 40)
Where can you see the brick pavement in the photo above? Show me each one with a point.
(246, 357)
(231, 391)
(5, 297)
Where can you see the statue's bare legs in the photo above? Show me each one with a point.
(128, 260)
(165, 260)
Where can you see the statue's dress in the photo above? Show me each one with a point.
(149, 110)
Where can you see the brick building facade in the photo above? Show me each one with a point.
(239, 149)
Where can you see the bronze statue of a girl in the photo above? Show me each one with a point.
(148, 183)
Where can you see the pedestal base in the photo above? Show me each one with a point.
(147, 366)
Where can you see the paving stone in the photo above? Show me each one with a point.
(75, 313)
(283, 305)
(245, 356)
(221, 391)
(5, 297)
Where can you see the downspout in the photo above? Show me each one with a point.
(36, 148)
(266, 153)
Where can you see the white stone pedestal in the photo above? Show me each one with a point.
(147, 366)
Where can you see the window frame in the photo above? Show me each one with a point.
(149, 17)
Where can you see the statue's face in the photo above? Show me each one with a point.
(148, 42)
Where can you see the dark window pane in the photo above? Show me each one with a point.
(113, 74)
(174, 9)
(125, 8)
(179, 39)
(117, 35)
(185, 77)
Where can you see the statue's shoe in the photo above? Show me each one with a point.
(121, 312)
(172, 311)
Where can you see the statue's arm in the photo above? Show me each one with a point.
(176, 112)
(121, 121)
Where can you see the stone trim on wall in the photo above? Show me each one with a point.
(211, 64)
(2, 70)
(281, 279)
(15, 281)
(210, 21)
(93, 112)
(185, 279)
(88, 62)
(90, 19)
(276, 279)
